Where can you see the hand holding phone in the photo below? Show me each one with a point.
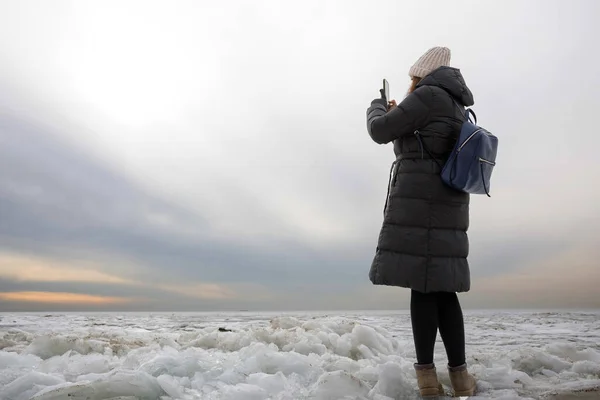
(385, 95)
(385, 92)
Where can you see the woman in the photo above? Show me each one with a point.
(423, 243)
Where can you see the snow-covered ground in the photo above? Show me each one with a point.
(248, 356)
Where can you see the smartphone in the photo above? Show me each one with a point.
(386, 90)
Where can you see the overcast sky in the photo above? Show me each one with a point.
(195, 155)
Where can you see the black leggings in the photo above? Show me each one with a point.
(430, 311)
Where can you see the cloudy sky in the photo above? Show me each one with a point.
(195, 155)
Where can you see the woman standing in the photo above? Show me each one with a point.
(423, 244)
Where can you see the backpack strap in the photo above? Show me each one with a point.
(469, 111)
(465, 111)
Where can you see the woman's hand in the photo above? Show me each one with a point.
(392, 104)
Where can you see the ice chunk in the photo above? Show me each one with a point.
(244, 391)
(341, 364)
(75, 391)
(394, 382)
(72, 365)
(114, 384)
(285, 323)
(271, 383)
(365, 352)
(171, 386)
(505, 378)
(177, 363)
(49, 346)
(128, 383)
(231, 376)
(305, 346)
(288, 363)
(339, 385)
(14, 360)
(369, 337)
(549, 373)
(587, 367)
(28, 384)
(197, 381)
(168, 342)
(230, 341)
(534, 361)
(569, 351)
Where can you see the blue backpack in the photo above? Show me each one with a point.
(469, 166)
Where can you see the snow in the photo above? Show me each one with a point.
(353, 355)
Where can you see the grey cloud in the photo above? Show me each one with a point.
(54, 198)
(81, 204)
(38, 170)
(498, 256)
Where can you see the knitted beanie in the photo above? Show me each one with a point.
(431, 60)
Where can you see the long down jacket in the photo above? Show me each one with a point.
(423, 244)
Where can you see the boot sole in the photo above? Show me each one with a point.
(465, 393)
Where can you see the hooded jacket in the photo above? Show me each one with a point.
(423, 243)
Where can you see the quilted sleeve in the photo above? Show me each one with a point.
(411, 114)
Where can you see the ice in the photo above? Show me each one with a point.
(49, 346)
(587, 367)
(174, 363)
(368, 355)
(271, 383)
(72, 365)
(569, 350)
(61, 391)
(119, 383)
(392, 382)
(17, 360)
(29, 384)
(244, 391)
(533, 361)
(339, 385)
(172, 385)
(128, 383)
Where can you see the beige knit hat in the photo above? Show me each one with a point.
(431, 60)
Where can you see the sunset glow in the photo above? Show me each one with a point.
(29, 268)
(61, 298)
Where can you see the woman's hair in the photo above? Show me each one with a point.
(413, 85)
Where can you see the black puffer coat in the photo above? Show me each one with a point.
(423, 244)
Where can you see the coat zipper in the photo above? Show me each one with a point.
(486, 161)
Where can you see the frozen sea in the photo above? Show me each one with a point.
(293, 355)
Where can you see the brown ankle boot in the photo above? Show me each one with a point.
(463, 383)
(428, 381)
